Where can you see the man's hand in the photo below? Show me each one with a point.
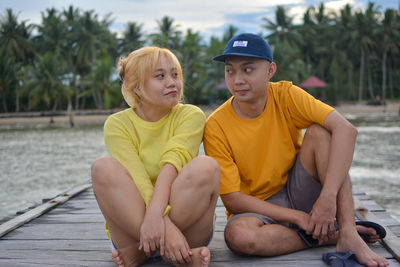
(321, 224)
(152, 234)
(177, 249)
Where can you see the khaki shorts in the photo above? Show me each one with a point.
(300, 193)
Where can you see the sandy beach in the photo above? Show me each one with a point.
(32, 119)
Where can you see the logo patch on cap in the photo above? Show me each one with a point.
(240, 44)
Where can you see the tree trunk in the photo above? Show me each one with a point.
(56, 103)
(391, 81)
(370, 88)
(4, 101)
(384, 57)
(351, 93)
(16, 98)
(76, 98)
(70, 112)
(361, 84)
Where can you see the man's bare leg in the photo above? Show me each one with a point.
(314, 155)
(123, 208)
(249, 236)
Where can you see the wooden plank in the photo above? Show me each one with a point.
(38, 211)
(48, 245)
(78, 231)
(391, 242)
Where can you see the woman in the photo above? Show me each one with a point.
(155, 194)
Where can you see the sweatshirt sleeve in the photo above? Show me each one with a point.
(184, 145)
(119, 140)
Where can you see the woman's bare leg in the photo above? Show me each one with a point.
(194, 195)
(122, 206)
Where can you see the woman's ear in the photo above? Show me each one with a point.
(137, 91)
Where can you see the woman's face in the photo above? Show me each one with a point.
(163, 87)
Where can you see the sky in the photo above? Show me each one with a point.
(208, 17)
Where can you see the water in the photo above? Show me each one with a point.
(40, 163)
(376, 165)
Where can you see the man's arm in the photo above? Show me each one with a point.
(343, 138)
(238, 202)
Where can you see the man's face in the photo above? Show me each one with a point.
(247, 78)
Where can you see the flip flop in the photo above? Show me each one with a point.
(378, 228)
(340, 259)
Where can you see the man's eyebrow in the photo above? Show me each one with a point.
(243, 64)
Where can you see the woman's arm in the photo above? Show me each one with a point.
(152, 231)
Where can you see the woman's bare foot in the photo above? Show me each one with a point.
(351, 241)
(116, 258)
(200, 258)
(128, 257)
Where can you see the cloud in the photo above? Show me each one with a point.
(208, 17)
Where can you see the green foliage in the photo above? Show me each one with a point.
(71, 61)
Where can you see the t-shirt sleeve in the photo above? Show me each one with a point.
(216, 146)
(120, 145)
(184, 145)
(305, 109)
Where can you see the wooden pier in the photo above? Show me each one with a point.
(69, 231)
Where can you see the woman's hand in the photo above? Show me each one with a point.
(152, 234)
(177, 249)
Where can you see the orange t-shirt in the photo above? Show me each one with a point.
(255, 155)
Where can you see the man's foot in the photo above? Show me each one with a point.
(200, 258)
(373, 236)
(128, 257)
(351, 241)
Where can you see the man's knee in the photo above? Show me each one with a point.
(240, 239)
(317, 134)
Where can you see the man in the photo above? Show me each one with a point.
(274, 181)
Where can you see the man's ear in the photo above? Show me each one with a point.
(272, 69)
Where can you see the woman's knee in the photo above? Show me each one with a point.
(101, 169)
(206, 168)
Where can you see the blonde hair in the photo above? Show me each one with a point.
(136, 68)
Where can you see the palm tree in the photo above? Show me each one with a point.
(282, 29)
(190, 54)
(132, 38)
(90, 38)
(346, 29)
(365, 25)
(390, 39)
(6, 79)
(168, 36)
(15, 43)
(45, 80)
(285, 42)
(99, 82)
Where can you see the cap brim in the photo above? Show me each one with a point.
(222, 57)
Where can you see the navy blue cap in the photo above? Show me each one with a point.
(247, 45)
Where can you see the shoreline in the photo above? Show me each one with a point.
(93, 117)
